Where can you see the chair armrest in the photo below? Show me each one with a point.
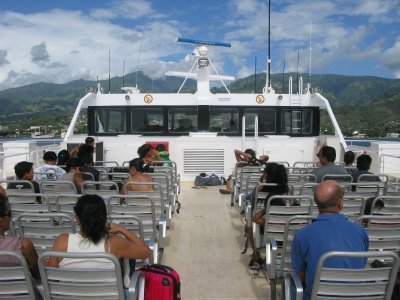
(271, 250)
(136, 287)
(153, 245)
(292, 287)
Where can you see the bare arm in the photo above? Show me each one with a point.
(129, 247)
(30, 254)
(258, 218)
(60, 245)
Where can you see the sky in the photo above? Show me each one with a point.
(62, 40)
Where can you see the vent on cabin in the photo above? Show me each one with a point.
(196, 161)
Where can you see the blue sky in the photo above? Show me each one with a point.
(59, 41)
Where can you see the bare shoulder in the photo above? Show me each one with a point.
(61, 243)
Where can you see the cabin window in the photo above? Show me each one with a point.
(224, 120)
(266, 120)
(182, 119)
(147, 120)
(110, 120)
(297, 121)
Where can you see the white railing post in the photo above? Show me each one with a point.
(243, 131)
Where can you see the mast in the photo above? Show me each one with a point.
(269, 45)
(255, 74)
(109, 71)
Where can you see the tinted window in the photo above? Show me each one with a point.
(147, 120)
(297, 121)
(266, 119)
(182, 119)
(110, 120)
(224, 120)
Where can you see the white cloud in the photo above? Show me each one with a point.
(391, 58)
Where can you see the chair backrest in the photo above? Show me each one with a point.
(166, 182)
(140, 206)
(251, 182)
(383, 232)
(391, 205)
(65, 203)
(87, 176)
(392, 189)
(117, 177)
(99, 283)
(246, 172)
(284, 163)
(44, 228)
(19, 187)
(379, 178)
(156, 195)
(305, 164)
(277, 216)
(364, 189)
(367, 283)
(338, 177)
(15, 281)
(353, 206)
(101, 188)
(301, 178)
(100, 163)
(57, 187)
(292, 226)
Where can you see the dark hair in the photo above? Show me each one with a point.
(92, 213)
(73, 162)
(329, 153)
(364, 162)
(276, 173)
(3, 204)
(144, 150)
(138, 164)
(85, 150)
(251, 152)
(22, 167)
(161, 147)
(50, 156)
(63, 156)
(349, 157)
(89, 140)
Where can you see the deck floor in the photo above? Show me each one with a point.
(204, 245)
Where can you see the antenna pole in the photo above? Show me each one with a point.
(298, 60)
(109, 71)
(269, 45)
(283, 77)
(138, 59)
(309, 75)
(255, 74)
(123, 74)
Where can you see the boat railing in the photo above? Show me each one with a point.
(389, 164)
(36, 156)
(6, 169)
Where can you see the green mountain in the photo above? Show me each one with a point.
(361, 103)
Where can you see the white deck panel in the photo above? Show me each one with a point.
(204, 246)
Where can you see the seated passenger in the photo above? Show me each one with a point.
(96, 236)
(49, 171)
(348, 159)
(273, 173)
(248, 157)
(363, 164)
(14, 243)
(87, 161)
(62, 158)
(23, 171)
(136, 170)
(74, 175)
(327, 156)
(146, 153)
(330, 231)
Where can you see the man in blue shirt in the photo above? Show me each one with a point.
(330, 231)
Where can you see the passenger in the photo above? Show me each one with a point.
(62, 158)
(273, 173)
(146, 153)
(136, 170)
(363, 164)
(96, 236)
(327, 156)
(348, 159)
(49, 171)
(2, 191)
(248, 157)
(161, 154)
(24, 171)
(87, 161)
(74, 175)
(330, 231)
(89, 145)
(14, 243)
